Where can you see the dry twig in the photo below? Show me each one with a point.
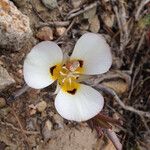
(122, 23)
(136, 52)
(126, 107)
(112, 75)
(45, 23)
(137, 69)
(141, 6)
(20, 125)
(18, 93)
(53, 23)
(8, 124)
(86, 8)
(113, 137)
(67, 30)
(145, 124)
(133, 82)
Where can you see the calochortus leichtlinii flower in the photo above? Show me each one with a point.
(45, 64)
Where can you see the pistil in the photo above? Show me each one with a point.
(67, 75)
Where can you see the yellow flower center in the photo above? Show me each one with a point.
(67, 75)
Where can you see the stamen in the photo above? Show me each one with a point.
(64, 67)
(70, 81)
(63, 74)
(63, 80)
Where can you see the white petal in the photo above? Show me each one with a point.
(95, 53)
(84, 105)
(38, 62)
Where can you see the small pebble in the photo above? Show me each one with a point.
(2, 102)
(32, 110)
(31, 124)
(20, 71)
(45, 34)
(46, 131)
(5, 79)
(58, 120)
(5, 111)
(60, 31)
(41, 106)
(77, 3)
(1, 62)
(50, 4)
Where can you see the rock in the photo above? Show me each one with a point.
(15, 28)
(2, 102)
(50, 4)
(94, 24)
(60, 30)
(5, 78)
(45, 34)
(41, 106)
(46, 131)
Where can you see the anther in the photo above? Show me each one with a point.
(63, 74)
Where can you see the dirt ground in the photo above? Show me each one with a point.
(30, 121)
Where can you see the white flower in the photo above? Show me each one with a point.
(74, 101)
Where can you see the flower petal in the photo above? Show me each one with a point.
(95, 53)
(38, 62)
(85, 104)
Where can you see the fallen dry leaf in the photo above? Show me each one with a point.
(119, 86)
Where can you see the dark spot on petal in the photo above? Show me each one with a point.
(72, 91)
(52, 69)
(81, 63)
